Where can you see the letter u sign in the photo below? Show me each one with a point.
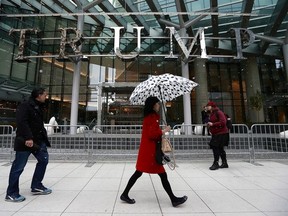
(117, 51)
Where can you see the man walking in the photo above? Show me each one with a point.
(31, 137)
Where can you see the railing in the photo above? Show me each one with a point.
(269, 140)
(121, 142)
(6, 141)
(65, 146)
(197, 144)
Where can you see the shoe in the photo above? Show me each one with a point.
(127, 199)
(41, 191)
(15, 198)
(215, 166)
(224, 165)
(179, 201)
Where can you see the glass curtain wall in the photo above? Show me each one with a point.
(226, 83)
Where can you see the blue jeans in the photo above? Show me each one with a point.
(18, 165)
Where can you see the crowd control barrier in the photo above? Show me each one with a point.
(121, 142)
(6, 142)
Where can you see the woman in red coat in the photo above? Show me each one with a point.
(146, 162)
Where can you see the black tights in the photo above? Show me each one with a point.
(219, 152)
(164, 179)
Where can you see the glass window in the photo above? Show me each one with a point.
(5, 57)
(31, 70)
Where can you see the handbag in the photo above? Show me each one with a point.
(166, 146)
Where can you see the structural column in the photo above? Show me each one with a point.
(202, 95)
(76, 85)
(285, 54)
(252, 86)
(186, 98)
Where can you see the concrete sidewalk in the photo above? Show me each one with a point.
(242, 190)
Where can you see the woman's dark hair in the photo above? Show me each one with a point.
(149, 104)
(37, 91)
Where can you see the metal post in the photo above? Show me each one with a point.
(99, 106)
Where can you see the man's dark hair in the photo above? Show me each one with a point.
(149, 104)
(37, 91)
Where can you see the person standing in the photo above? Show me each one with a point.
(31, 137)
(220, 135)
(146, 160)
(205, 119)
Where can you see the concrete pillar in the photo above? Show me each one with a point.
(252, 86)
(202, 95)
(285, 54)
(75, 98)
(186, 98)
(76, 85)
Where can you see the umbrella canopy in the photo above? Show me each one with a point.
(165, 87)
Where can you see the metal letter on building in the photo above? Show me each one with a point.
(74, 43)
(117, 51)
(24, 35)
(186, 53)
(244, 37)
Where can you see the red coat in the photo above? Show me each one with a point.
(151, 133)
(217, 117)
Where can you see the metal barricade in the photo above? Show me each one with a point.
(6, 142)
(189, 142)
(65, 146)
(269, 140)
(121, 142)
(118, 142)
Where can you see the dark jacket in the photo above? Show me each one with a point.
(30, 125)
(205, 117)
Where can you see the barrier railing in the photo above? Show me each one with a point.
(121, 142)
(65, 146)
(190, 140)
(6, 141)
(269, 140)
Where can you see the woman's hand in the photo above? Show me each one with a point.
(166, 129)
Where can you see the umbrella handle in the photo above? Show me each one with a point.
(162, 107)
(163, 114)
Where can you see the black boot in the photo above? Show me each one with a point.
(224, 160)
(127, 199)
(215, 166)
(224, 164)
(179, 201)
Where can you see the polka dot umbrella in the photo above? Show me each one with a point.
(165, 87)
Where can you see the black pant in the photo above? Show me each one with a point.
(164, 179)
(204, 128)
(219, 152)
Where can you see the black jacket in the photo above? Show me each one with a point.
(30, 125)
(205, 117)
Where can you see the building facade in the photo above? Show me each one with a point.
(245, 73)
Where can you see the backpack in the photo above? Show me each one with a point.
(228, 120)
